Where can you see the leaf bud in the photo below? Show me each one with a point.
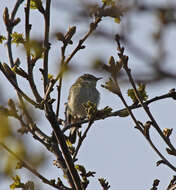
(70, 34)
(6, 17)
(16, 21)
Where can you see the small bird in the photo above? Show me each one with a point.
(82, 91)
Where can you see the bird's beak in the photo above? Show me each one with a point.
(99, 78)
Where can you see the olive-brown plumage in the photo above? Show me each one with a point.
(82, 91)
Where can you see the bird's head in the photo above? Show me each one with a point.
(88, 79)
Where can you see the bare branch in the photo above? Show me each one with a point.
(46, 44)
(29, 62)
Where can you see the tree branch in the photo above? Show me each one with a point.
(28, 54)
(79, 46)
(27, 166)
(14, 84)
(171, 94)
(81, 139)
(61, 141)
(124, 60)
(10, 29)
(46, 44)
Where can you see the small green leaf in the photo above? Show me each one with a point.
(69, 144)
(36, 48)
(112, 86)
(17, 38)
(16, 183)
(50, 76)
(91, 109)
(108, 2)
(117, 20)
(131, 94)
(142, 93)
(113, 67)
(35, 4)
(2, 38)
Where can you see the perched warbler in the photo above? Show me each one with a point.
(82, 91)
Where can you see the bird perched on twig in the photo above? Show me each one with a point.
(82, 91)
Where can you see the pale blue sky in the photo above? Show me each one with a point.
(113, 148)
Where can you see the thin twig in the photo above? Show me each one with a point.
(147, 110)
(46, 44)
(14, 84)
(28, 54)
(80, 43)
(31, 126)
(15, 9)
(165, 161)
(58, 96)
(124, 60)
(60, 81)
(81, 139)
(10, 29)
(9, 47)
(147, 137)
(143, 104)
